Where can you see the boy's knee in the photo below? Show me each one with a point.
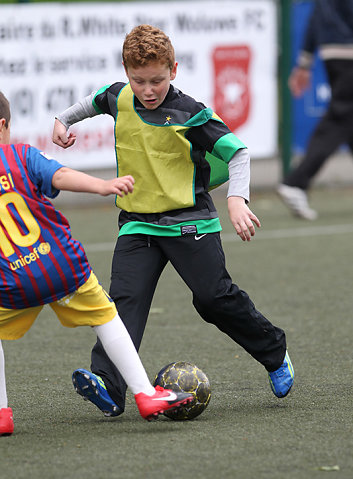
(232, 301)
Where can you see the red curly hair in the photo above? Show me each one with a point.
(146, 44)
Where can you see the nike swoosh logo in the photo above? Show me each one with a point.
(199, 237)
(171, 397)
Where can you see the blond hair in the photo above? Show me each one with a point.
(146, 44)
(5, 109)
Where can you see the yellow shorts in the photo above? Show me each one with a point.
(90, 305)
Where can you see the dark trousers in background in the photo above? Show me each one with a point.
(333, 130)
(138, 262)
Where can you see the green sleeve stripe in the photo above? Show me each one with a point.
(226, 147)
(219, 171)
(200, 118)
(95, 106)
(138, 227)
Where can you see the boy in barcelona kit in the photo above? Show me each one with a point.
(40, 263)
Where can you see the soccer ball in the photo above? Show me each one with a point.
(182, 376)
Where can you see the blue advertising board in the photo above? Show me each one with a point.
(308, 109)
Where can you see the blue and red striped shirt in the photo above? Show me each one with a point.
(40, 262)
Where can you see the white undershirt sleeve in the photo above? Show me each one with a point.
(78, 112)
(239, 175)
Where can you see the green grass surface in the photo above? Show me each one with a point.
(298, 273)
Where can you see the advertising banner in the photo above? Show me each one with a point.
(54, 54)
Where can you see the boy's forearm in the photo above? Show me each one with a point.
(78, 112)
(73, 180)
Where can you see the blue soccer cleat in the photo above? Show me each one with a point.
(93, 389)
(282, 379)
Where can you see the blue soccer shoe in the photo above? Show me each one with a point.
(282, 379)
(92, 388)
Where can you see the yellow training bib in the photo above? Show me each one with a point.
(157, 156)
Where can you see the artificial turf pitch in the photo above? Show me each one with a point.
(298, 273)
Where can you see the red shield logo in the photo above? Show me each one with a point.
(231, 84)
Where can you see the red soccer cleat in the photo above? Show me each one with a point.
(163, 400)
(6, 421)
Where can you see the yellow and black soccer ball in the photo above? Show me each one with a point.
(182, 376)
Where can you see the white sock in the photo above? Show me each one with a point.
(122, 352)
(3, 394)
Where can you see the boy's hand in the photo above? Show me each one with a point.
(118, 186)
(60, 136)
(242, 217)
(299, 81)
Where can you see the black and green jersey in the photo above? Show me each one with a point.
(176, 153)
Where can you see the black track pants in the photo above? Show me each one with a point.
(138, 262)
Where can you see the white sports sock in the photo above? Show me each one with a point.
(3, 394)
(122, 352)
